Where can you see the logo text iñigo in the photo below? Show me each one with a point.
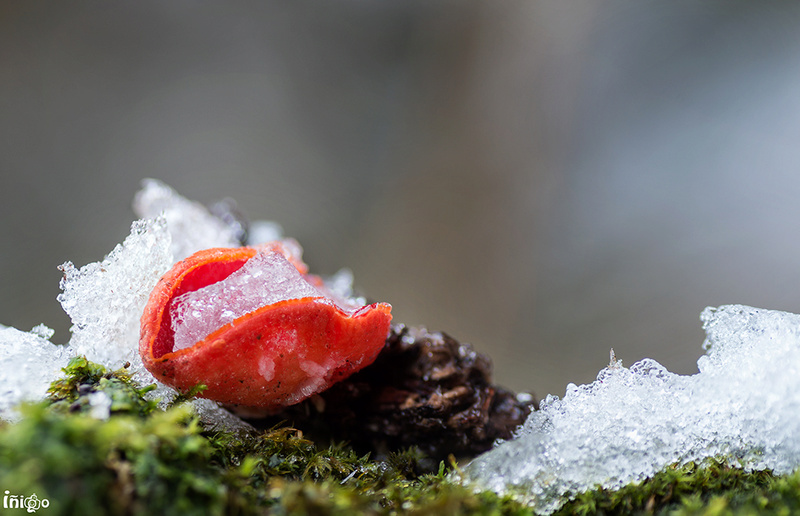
(31, 504)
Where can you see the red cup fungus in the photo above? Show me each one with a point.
(271, 357)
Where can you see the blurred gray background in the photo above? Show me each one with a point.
(545, 180)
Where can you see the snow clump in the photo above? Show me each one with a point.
(743, 407)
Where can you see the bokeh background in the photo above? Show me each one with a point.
(545, 180)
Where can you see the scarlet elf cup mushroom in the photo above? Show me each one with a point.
(255, 328)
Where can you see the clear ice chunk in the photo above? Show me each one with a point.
(28, 363)
(265, 279)
(340, 288)
(742, 408)
(190, 224)
(43, 331)
(105, 300)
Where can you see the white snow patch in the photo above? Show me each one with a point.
(190, 224)
(45, 332)
(743, 407)
(28, 364)
(105, 300)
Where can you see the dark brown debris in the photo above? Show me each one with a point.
(425, 389)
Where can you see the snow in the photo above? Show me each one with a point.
(28, 364)
(340, 289)
(191, 225)
(265, 279)
(105, 300)
(742, 407)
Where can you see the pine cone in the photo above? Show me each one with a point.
(425, 390)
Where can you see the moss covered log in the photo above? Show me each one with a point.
(98, 446)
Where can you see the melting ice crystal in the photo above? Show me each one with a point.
(266, 278)
(743, 407)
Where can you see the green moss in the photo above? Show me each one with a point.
(83, 378)
(709, 488)
(125, 464)
(141, 460)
